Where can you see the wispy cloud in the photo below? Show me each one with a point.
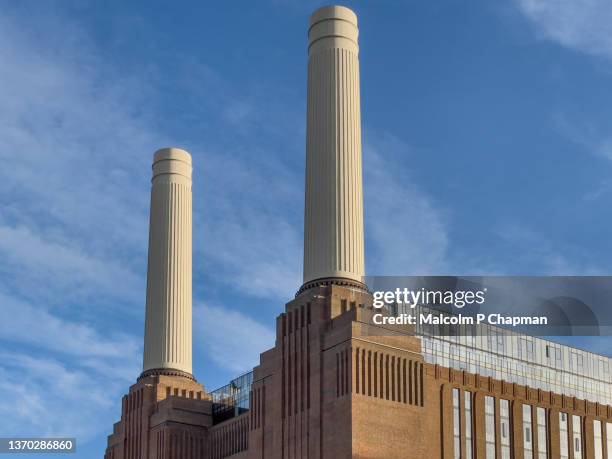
(593, 137)
(600, 190)
(583, 25)
(233, 339)
(50, 398)
(73, 227)
(532, 253)
(43, 265)
(595, 140)
(74, 219)
(40, 328)
(406, 231)
(79, 136)
(250, 225)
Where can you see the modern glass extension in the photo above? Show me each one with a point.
(232, 399)
(517, 358)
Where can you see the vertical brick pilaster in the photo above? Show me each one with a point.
(517, 429)
(479, 426)
(446, 415)
(588, 438)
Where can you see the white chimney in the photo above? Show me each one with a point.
(168, 327)
(333, 227)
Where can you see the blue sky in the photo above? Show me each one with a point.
(487, 150)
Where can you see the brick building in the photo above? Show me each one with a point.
(335, 385)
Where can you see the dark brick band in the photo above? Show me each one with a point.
(344, 282)
(166, 372)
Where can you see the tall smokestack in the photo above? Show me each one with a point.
(168, 347)
(333, 227)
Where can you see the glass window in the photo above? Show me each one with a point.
(490, 427)
(527, 440)
(576, 361)
(568, 371)
(598, 440)
(500, 342)
(563, 449)
(542, 434)
(577, 436)
(232, 399)
(522, 348)
(456, 424)
(530, 352)
(468, 425)
(558, 356)
(504, 415)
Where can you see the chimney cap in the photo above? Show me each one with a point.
(333, 12)
(172, 153)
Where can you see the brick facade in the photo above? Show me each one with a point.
(337, 386)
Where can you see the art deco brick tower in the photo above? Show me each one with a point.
(166, 410)
(333, 229)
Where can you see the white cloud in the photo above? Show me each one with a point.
(35, 326)
(35, 262)
(583, 25)
(250, 226)
(594, 140)
(403, 225)
(77, 141)
(73, 228)
(79, 144)
(75, 219)
(50, 398)
(535, 254)
(63, 377)
(232, 339)
(598, 191)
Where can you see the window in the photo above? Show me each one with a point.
(504, 413)
(456, 424)
(527, 440)
(576, 361)
(542, 434)
(577, 437)
(598, 440)
(559, 357)
(468, 426)
(490, 427)
(500, 342)
(563, 449)
(522, 348)
(530, 352)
